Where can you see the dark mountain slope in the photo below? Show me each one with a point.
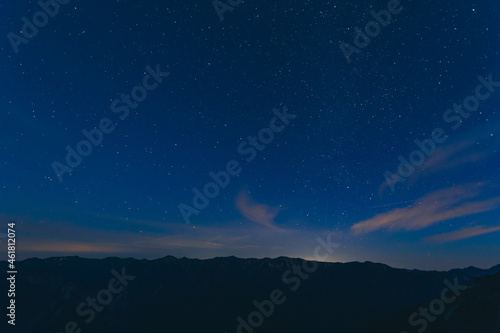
(190, 295)
(475, 310)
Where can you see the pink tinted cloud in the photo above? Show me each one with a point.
(461, 234)
(258, 213)
(433, 208)
(70, 248)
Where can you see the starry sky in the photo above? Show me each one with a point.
(304, 118)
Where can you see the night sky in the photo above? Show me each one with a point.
(308, 130)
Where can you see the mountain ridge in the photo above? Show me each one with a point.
(163, 294)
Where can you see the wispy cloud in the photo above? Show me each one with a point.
(451, 156)
(447, 157)
(461, 234)
(258, 213)
(71, 248)
(46, 238)
(433, 208)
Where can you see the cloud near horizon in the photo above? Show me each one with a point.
(461, 234)
(433, 208)
(45, 238)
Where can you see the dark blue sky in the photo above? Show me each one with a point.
(322, 172)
